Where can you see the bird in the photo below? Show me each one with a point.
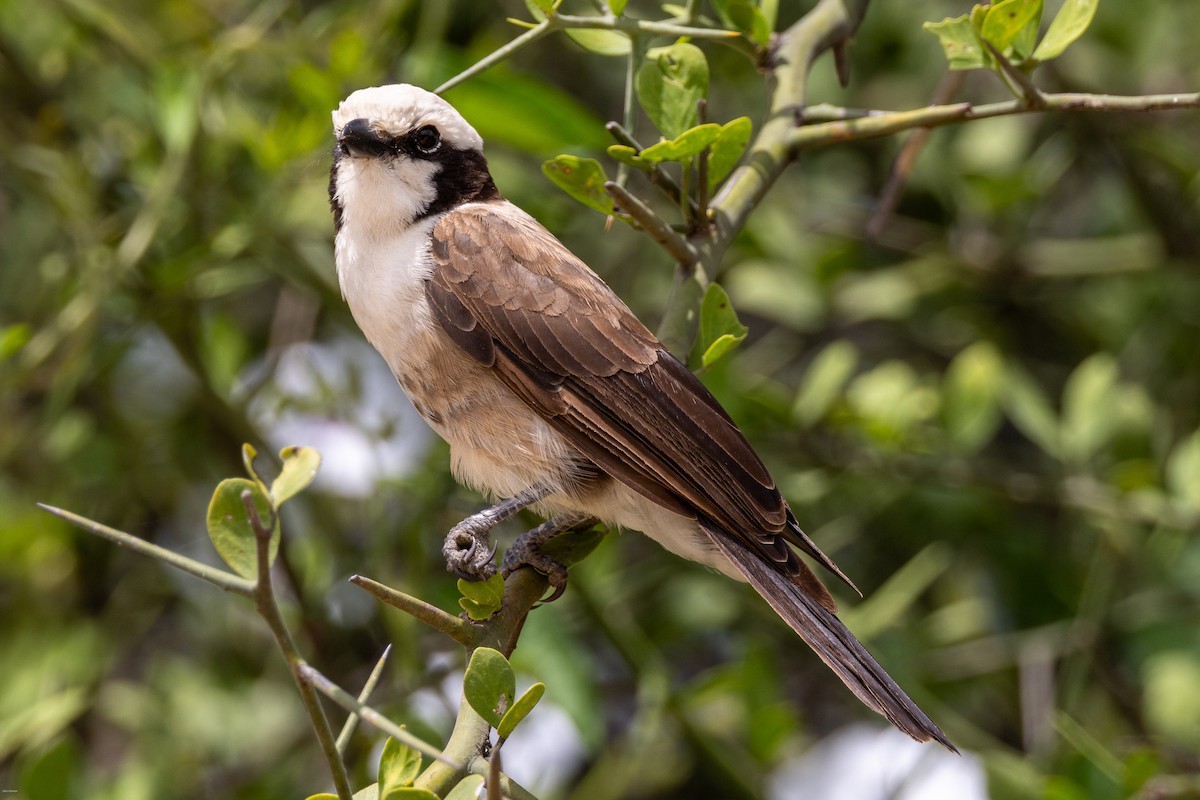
(548, 389)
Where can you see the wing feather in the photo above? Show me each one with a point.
(513, 297)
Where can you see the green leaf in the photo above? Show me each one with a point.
(727, 149)
(229, 527)
(1183, 473)
(520, 710)
(489, 684)
(467, 789)
(1030, 411)
(1026, 38)
(1007, 19)
(398, 766)
(300, 465)
(746, 17)
(410, 793)
(617, 7)
(481, 599)
(720, 328)
(960, 43)
(971, 395)
(720, 346)
(669, 83)
(824, 381)
(601, 42)
(323, 796)
(582, 178)
(1088, 402)
(628, 155)
(684, 147)
(1069, 24)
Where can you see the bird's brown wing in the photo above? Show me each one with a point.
(510, 295)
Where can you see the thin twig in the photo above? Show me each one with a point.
(347, 731)
(885, 123)
(268, 609)
(214, 575)
(456, 628)
(660, 231)
(1025, 88)
(562, 22)
(313, 678)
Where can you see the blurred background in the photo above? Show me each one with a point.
(989, 415)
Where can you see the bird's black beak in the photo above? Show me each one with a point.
(359, 141)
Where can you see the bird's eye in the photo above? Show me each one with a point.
(427, 139)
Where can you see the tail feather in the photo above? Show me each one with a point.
(831, 640)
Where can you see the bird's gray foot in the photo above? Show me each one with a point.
(468, 549)
(527, 551)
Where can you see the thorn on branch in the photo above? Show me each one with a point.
(840, 62)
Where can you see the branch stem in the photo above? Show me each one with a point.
(456, 628)
(679, 248)
(313, 678)
(268, 609)
(214, 575)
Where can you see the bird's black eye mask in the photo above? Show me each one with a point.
(358, 138)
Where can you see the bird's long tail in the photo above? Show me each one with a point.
(831, 640)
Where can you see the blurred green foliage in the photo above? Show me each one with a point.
(990, 416)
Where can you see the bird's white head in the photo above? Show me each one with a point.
(402, 154)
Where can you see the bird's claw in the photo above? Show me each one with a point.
(468, 555)
(527, 554)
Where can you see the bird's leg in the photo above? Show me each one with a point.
(527, 550)
(467, 549)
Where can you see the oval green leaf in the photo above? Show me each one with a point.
(1069, 24)
(467, 789)
(489, 684)
(669, 83)
(1007, 19)
(720, 329)
(723, 344)
(601, 42)
(229, 527)
(727, 149)
(582, 178)
(960, 43)
(399, 766)
(481, 599)
(410, 793)
(520, 710)
(300, 465)
(684, 147)
(628, 155)
(746, 17)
